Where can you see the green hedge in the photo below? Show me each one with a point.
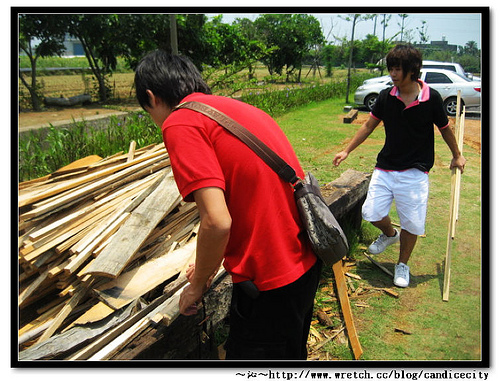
(277, 103)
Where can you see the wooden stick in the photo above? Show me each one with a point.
(346, 309)
(388, 272)
(455, 194)
(131, 151)
(66, 310)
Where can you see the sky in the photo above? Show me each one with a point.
(456, 28)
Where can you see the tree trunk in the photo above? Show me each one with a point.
(350, 60)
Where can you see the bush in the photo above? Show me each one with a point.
(46, 150)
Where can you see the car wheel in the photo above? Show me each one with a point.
(370, 101)
(450, 106)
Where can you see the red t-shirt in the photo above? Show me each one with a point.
(267, 243)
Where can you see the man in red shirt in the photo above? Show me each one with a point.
(248, 216)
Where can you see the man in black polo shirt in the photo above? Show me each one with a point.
(409, 111)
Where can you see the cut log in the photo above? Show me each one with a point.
(347, 191)
(351, 116)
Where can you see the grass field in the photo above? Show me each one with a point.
(438, 331)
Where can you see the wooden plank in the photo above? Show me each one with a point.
(91, 186)
(346, 309)
(129, 238)
(32, 287)
(131, 151)
(77, 165)
(132, 284)
(70, 339)
(86, 253)
(103, 175)
(113, 333)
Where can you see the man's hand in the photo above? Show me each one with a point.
(189, 300)
(459, 163)
(339, 158)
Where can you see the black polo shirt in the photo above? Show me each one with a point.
(409, 131)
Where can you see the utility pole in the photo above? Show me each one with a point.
(173, 34)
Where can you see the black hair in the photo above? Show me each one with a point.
(169, 77)
(407, 57)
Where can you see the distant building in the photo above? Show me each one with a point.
(438, 45)
(73, 47)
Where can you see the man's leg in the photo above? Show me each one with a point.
(385, 225)
(275, 325)
(407, 244)
(401, 270)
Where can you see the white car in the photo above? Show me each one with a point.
(452, 66)
(367, 93)
(447, 83)
(444, 81)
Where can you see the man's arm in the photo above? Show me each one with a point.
(458, 159)
(363, 132)
(213, 236)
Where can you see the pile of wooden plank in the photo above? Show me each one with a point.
(103, 246)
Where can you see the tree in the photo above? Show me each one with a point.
(227, 43)
(422, 32)
(102, 42)
(401, 24)
(257, 49)
(293, 35)
(385, 23)
(470, 48)
(355, 18)
(142, 33)
(39, 36)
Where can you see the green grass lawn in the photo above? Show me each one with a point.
(439, 331)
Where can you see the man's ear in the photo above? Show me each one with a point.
(153, 99)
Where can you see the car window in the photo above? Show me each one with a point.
(446, 67)
(437, 78)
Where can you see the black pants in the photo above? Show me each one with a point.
(275, 325)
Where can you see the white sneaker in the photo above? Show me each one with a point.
(381, 243)
(401, 275)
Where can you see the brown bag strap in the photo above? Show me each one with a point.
(284, 170)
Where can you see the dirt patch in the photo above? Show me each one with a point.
(472, 134)
(59, 114)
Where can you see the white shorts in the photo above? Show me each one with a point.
(410, 191)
